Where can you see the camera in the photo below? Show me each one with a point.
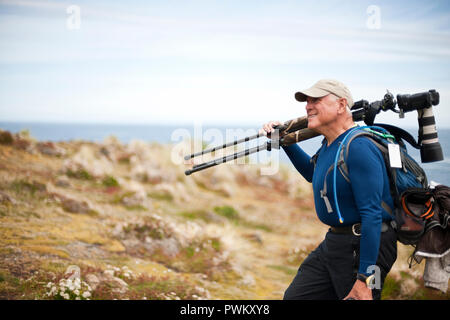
(430, 148)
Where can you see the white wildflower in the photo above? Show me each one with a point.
(86, 294)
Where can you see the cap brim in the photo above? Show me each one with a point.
(311, 92)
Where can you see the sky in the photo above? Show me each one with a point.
(214, 62)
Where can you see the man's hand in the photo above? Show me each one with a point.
(360, 292)
(268, 127)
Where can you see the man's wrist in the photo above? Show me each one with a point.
(367, 280)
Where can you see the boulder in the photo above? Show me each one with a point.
(50, 149)
(5, 198)
(92, 280)
(138, 198)
(63, 182)
(89, 163)
(75, 206)
(116, 284)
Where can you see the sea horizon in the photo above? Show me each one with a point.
(212, 134)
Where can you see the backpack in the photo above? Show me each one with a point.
(413, 201)
(435, 242)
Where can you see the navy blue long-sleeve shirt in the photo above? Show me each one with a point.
(360, 200)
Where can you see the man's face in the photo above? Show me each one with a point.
(321, 111)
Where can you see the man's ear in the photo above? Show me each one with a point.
(342, 105)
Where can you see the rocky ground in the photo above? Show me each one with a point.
(82, 220)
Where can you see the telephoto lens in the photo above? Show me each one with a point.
(430, 148)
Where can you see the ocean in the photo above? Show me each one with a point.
(436, 171)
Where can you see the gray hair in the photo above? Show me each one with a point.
(346, 107)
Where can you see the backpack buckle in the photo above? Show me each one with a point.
(356, 229)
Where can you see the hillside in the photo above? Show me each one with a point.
(114, 221)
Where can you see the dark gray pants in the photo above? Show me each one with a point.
(329, 272)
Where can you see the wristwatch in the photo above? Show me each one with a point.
(366, 279)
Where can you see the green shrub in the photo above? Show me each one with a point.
(110, 181)
(81, 174)
(227, 212)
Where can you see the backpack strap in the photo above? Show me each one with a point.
(323, 192)
(343, 168)
(313, 159)
(344, 171)
(399, 134)
(376, 140)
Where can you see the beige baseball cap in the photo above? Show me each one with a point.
(324, 87)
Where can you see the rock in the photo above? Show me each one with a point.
(169, 246)
(136, 199)
(87, 164)
(41, 187)
(121, 286)
(215, 218)
(247, 281)
(50, 149)
(155, 176)
(63, 182)
(151, 175)
(124, 157)
(6, 198)
(75, 206)
(225, 188)
(176, 191)
(254, 237)
(92, 280)
(105, 151)
(117, 284)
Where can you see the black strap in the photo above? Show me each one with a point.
(399, 134)
(316, 155)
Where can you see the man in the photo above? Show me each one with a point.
(341, 266)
